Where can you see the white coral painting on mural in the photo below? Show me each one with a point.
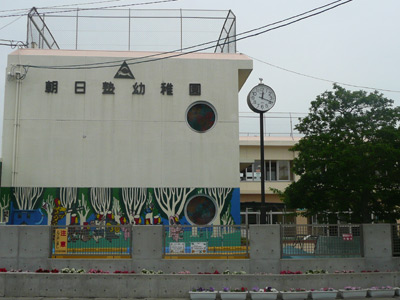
(4, 208)
(133, 200)
(172, 200)
(26, 198)
(220, 196)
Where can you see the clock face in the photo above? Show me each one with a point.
(261, 98)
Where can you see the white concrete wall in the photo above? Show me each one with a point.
(122, 140)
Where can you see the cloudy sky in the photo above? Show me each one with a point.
(355, 44)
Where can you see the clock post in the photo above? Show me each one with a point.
(263, 207)
(261, 99)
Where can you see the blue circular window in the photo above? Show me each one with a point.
(200, 210)
(201, 116)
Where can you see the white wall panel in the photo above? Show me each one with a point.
(122, 140)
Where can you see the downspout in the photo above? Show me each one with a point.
(16, 129)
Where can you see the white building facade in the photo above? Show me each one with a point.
(91, 123)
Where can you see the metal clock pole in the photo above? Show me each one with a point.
(261, 99)
(263, 208)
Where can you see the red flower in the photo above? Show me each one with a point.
(216, 272)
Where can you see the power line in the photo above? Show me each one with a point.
(11, 22)
(16, 9)
(323, 79)
(191, 47)
(97, 8)
(110, 64)
(56, 6)
(74, 4)
(266, 117)
(12, 43)
(276, 112)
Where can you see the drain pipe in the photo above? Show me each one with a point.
(16, 128)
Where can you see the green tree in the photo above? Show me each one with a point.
(349, 157)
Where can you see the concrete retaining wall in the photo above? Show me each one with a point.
(28, 248)
(170, 286)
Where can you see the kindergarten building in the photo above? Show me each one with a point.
(279, 175)
(146, 143)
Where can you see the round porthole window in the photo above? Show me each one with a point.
(200, 210)
(201, 116)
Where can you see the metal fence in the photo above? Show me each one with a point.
(396, 239)
(109, 241)
(38, 34)
(299, 241)
(133, 30)
(218, 241)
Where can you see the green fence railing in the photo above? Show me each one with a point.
(321, 240)
(217, 241)
(91, 240)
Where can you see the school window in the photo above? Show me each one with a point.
(275, 170)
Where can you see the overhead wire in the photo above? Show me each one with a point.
(323, 79)
(74, 4)
(248, 36)
(12, 43)
(210, 42)
(56, 6)
(11, 22)
(165, 55)
(101, 65)
(16, 9)
(95, 8)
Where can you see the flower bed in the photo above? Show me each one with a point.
(381, 291)
(324, 293)
(353, 292)
(203, 293)
(322, 271)
(288, 272)
(267, 293)
(233, 294)
(295, 294)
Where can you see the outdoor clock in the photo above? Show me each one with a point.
(261, 98)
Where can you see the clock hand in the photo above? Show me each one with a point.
(265, 99)
(262, 97)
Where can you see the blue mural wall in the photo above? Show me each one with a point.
(139, 206)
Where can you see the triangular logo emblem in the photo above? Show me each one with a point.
(124, 72)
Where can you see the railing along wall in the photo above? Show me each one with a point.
(96, 241)
(218, 241)
(396, 239)
(327, 240)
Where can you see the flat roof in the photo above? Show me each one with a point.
(269, 140)
(133, 54)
